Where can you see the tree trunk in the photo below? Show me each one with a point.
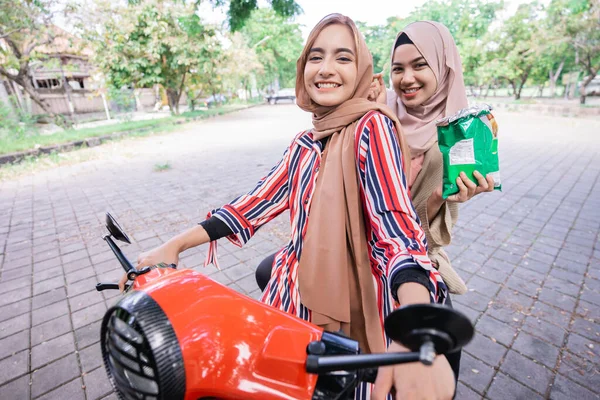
(191, 101)
(582, 90)
(172, 97)
(554, 78)
(516, 93)
(513, 85)
(180, 92)
(487, 91)
(138, 103)
(520, 88)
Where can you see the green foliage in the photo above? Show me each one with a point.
(379, 40)
(15, 124)
(513, 46)
(164, 166)
(122, 102)
(238, 11)
(27, 32)
(151, 42)
(277, 42)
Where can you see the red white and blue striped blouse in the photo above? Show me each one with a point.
(396, 239)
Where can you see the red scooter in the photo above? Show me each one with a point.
(177, 335)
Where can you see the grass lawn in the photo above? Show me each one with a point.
(14, 144)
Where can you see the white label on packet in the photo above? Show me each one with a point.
(496, 177)
(462, 152)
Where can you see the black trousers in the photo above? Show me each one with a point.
(263, 274)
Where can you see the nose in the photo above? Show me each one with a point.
(327, 68)
(408, 77)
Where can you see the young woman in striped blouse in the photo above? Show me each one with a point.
(361, 251)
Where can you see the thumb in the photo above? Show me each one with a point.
(383, 383)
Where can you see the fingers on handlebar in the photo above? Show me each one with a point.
(383, 383)
(122, 283)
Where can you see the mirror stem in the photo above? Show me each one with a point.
(127, 266)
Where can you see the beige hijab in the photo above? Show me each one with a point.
(335, 279)
(434, 41)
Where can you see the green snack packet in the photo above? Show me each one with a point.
(468, 141)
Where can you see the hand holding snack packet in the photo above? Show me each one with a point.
(467, 188)
(468, 141)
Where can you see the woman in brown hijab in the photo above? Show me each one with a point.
(361, 251)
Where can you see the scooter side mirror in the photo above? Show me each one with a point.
(115, 230)
(413, 325)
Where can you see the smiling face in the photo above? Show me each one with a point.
(413, 79)
(330, 73)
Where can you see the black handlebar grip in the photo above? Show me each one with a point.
(104, 286)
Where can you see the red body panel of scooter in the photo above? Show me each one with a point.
(233, 347)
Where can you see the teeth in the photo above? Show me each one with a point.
(327, 85)
(411, 90)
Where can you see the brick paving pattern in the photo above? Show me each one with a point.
(530, 255)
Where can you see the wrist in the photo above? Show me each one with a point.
(434, 204)
(191, 238)
(176, 244)
(435, 200)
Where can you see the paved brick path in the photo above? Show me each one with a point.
(530, 255)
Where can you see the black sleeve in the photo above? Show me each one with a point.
(416, 274)
(215, 228)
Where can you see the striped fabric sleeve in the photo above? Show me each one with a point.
(269, 198)
(394, 228)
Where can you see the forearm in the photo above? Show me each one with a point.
(191, 238)
(434, 204)
(413, 293)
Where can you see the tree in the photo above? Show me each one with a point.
(277, 42)
(468, 21)
(239, 11)
(379, 39)
(151, 42)
(26, 27)
(206, 77)
(513, 45)
(579, 21)
(242, 65)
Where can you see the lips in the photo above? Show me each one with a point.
(410, 92)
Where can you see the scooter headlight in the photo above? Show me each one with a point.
(141, 353)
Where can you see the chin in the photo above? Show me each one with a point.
(325, 101)
(412, 102)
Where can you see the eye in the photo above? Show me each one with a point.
(314, 58)
(422, 65)
(397, 70)
(345, 59)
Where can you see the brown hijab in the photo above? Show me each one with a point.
(434, 41)
(335, 279)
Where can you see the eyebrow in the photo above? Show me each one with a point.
(413, 61)
(338, 50)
